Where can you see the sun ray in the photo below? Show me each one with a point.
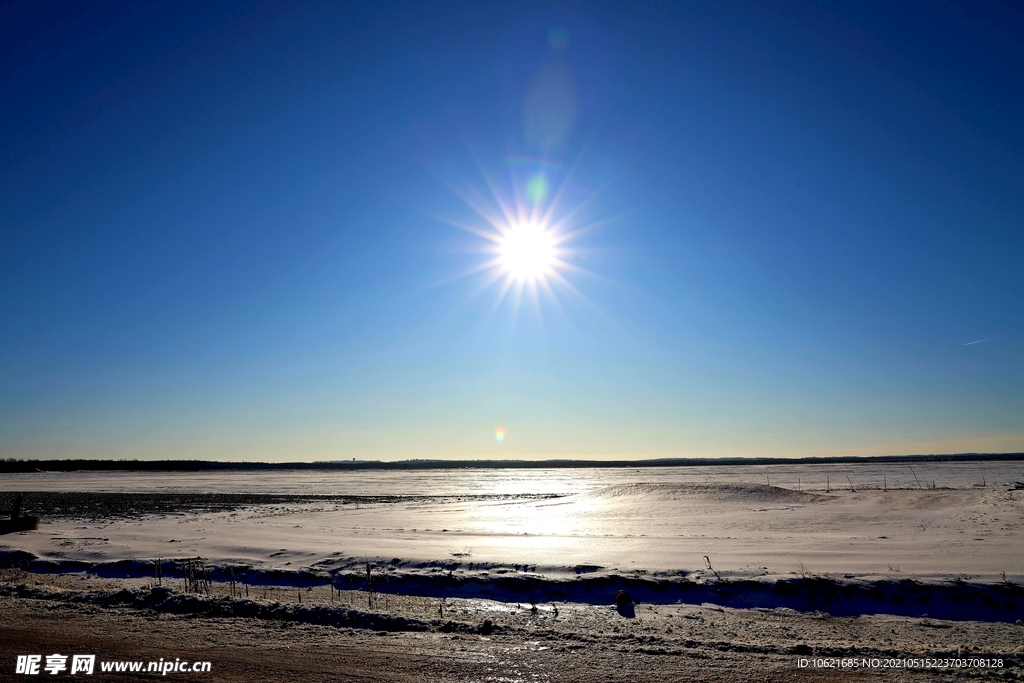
(546, 285)
(594, 308)
(506, 286)
(517, 302)
(495, 222)
(527, 228)
(489, 182)
(584, 229)
(480, 232)
(556, 200)
(492, 277)
(468, 272)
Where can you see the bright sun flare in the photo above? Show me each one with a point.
(528, 236)
(527, 251)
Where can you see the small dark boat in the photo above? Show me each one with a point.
(18, 522)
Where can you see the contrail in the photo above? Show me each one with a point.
(975, 342)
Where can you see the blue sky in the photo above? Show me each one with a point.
(230, 232)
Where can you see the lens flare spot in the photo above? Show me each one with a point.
(558, 39)
(527, 251)
(499, 434)
(537, 188)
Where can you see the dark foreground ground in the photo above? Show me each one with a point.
(417, 639)
(249, 650)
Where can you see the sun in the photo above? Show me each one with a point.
(527, 251)
(528, 230)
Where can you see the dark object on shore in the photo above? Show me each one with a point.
(17, 523)
(624, 604)
(487, 627)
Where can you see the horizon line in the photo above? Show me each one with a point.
(11, 465)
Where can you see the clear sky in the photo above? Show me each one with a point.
(316, 231)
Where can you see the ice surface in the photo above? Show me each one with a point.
(934, 523)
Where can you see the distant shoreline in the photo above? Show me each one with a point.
(12, 466)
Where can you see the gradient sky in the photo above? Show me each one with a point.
(226, 230)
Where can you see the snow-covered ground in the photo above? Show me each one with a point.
(556, 521)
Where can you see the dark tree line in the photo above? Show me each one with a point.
(12, 465)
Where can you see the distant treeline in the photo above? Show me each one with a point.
(11, 465)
